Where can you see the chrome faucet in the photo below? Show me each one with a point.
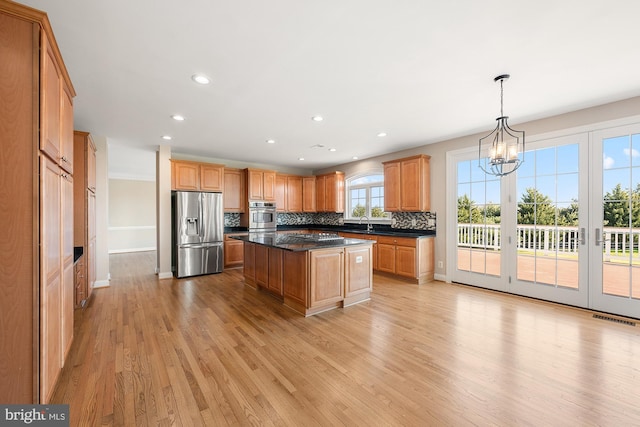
(369, 227)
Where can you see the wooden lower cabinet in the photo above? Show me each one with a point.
(411, 258)
(326, 277)
(358, 274)
(233, 251)
(80, 281)
(314, 281)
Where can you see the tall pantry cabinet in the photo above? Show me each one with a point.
(36, 171)
(84, 233)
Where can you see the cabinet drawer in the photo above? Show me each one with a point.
(399, 241)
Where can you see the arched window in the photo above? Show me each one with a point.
(365, 197)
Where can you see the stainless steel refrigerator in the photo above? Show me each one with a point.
(198, 231)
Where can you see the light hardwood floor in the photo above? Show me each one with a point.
(210, 351)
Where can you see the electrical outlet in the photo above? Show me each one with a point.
(440, 264)
(413, 222)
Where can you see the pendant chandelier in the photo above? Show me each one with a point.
(505, 146)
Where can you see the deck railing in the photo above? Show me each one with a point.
(617, 241)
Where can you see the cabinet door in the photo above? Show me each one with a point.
(294, 194)
(326, 277)
(91, 242)
(410, 185)
(269, 186)
(233, 190)
(50, 276)
(211, 177)
(386, 257)
(392, 187)
(68, 279)
(66, 131)
(309, 194)
(91, 165)
(255, 184)
(50, 101)
(186, 176)
(275, 271)
(281, 193)
(406, 261)
(358, 272)
(233, 252)
(321, 193)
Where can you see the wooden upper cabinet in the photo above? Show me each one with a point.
(91, 164)
(330, 192)
(407, 184)
(281, 193)
(261, 185)
(50, 101)
(392, 187)
(195, 176)
(294, 194)
(233, 195)
(66, 130)
(211, 177)
(309, 194)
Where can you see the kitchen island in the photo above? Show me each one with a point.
(309, 273)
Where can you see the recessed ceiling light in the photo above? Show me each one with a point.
(332, 149)
(300, 158)
(178, 117)
(354, 158)
(317, 118)
(201, 78)
(167, 137)
(271, 141)
(382, 134)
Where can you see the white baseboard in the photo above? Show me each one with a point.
(165, 275)
(127, 250)
(101, 284)
(441, 277)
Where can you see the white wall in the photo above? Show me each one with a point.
(102, 211)
(132, 215)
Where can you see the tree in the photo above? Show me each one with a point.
(468, 212)
(536, 208)
(359, 211)
(378, 212)
(616, 207)
(569, 216)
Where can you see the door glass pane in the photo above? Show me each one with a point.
(621, 216)
(547, 234)
(478, 220)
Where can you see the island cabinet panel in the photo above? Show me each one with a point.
(249, 267)
(262, 265)
(374, 248)
(309, 194)
(358, 281)
(234, 191)
(275, 282)
(295, 280)
(326, 278)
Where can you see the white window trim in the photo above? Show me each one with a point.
(346, 218)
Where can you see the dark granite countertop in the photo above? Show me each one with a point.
(383, 230)
(300, 242)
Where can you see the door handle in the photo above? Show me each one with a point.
(598, 240)
(583, 236)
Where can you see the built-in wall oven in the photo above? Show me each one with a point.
(262, 217)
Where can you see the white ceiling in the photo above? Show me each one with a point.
(421, 71)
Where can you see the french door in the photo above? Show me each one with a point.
(565, 227)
